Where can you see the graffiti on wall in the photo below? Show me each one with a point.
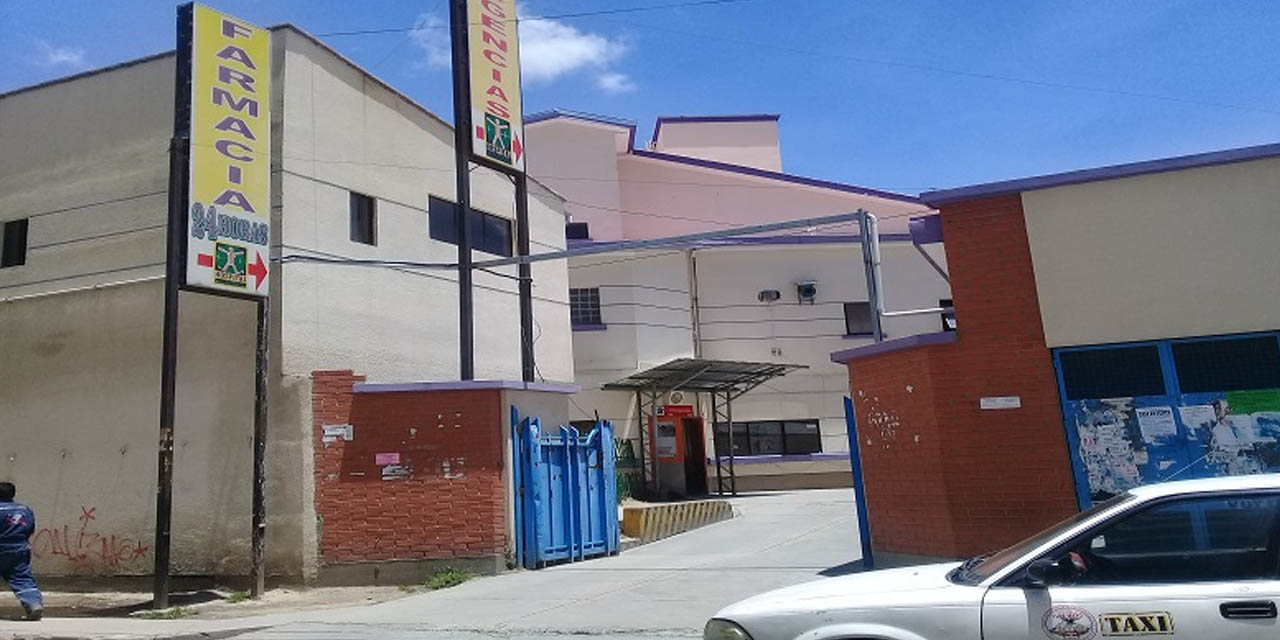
(87, 548)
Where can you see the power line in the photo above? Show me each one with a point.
(580, 14)
(98, 203)
(685, 183)
(828, 55)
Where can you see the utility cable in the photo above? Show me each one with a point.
(830, 55)
(579, 14)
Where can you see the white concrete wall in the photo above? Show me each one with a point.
(78, 414)
(737, 326)
(751, 143)
(346, 132)
(99, 138)
(80, 368)
(1182, 253)
(645, 305)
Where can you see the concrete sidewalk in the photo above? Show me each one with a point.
(666, 589)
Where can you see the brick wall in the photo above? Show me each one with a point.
(445, 497)
(950, 479)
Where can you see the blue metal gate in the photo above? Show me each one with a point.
(566, 497)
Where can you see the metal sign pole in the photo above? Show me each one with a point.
(257, 572)
(873, 291)
(462, 151)
(527, 359)
(175, 265)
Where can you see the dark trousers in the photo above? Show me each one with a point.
(15, 569)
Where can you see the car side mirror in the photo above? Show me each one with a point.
(1043, 572)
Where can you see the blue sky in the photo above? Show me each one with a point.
(903, 95)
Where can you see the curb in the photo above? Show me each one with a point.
(656, 521)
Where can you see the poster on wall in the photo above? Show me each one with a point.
(229, 228)
(666, 440)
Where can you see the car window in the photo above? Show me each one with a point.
(982, 568)
(1188, 540)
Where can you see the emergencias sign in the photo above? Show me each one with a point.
(229, 228)
(496, 112)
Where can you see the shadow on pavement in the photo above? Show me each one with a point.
(117, 609)
(843, 569)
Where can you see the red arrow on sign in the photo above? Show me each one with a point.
(515, 146)
(204, 259)
(258, 270)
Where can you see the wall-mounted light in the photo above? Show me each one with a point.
(769, 295)
(807, 291)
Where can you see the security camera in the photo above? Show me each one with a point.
(769, 295)
(807, 290)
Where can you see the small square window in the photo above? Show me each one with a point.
(14, 252)
(584, 306)
(857, 319)
(363, 219)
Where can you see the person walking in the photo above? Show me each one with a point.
(17, 524)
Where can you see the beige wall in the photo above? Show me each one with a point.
(1182, 253)
(344, 132)
(100, 138)
(79, 366)
(79, 403)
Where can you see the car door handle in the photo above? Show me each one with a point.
(1248, 609)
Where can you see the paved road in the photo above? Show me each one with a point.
(663, 590)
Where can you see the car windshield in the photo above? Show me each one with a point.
(979, 568)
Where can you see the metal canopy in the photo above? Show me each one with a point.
(724, 380)
(695, 374)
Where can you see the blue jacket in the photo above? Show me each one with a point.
(17, 523)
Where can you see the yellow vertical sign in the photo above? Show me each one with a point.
(229, 223)
(497, 117)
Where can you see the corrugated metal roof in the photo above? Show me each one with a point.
(696, 374)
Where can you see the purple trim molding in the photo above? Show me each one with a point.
(1112, 172)
(793, 457)
(749, 241)
(775, 175)
(629, 125)
(926, 229)
(751, 117)
(588, 327)
(909, 342)
(464, 385)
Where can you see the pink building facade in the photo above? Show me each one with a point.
(635, 310)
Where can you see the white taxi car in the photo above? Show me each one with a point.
(1195, 559)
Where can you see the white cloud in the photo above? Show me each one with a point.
(48, 55)
(431, 34)
(549, 50)
(615, 83)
